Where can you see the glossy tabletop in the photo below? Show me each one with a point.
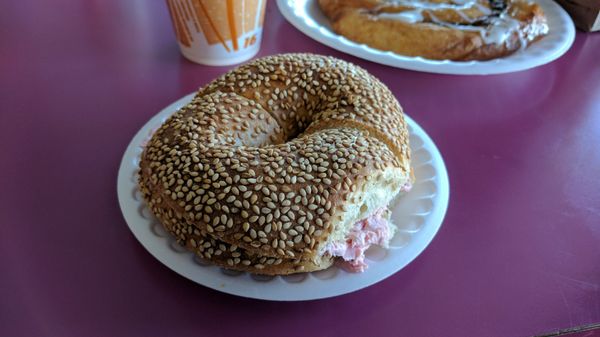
(517, 255)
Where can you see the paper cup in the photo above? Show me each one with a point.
(218, 32)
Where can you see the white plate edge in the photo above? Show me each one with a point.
(163, 253)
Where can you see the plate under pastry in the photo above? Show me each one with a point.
(307, 17)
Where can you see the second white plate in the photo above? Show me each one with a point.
(308, 18)
(418, 215)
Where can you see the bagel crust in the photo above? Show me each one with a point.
(259, 171)
(460, 30)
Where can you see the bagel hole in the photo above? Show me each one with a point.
(296, 132)
(292, 135)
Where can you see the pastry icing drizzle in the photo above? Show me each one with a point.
(497, 25)
(416, 14)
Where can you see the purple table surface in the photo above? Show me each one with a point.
(518, 253)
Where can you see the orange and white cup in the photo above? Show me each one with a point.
(218, 32)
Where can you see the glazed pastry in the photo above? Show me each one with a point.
(459, 30)
(283, 165)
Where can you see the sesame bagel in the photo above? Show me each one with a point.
(275, 160)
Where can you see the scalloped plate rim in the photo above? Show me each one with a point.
(244, 285)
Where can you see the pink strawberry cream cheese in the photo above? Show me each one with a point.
(374, 230)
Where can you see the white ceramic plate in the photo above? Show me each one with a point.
(418, 214)
(308, 18)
